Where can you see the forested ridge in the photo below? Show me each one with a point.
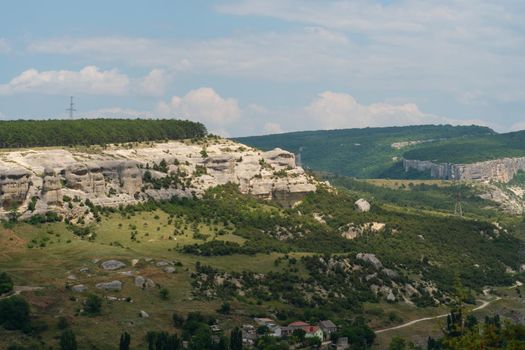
(471, 150)
(362, 153)
(56, 132)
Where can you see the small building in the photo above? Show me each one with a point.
(313, 332)
(328, 328)
(342, 344)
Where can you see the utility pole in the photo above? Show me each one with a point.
(71, 108)
(458, 209)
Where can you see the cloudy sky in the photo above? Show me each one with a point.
(246, 67)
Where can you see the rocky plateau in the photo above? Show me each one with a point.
(60, 180)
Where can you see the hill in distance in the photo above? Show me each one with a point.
(368, 152)
(471, 150)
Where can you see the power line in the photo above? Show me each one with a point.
(71, 108)
(458, 209)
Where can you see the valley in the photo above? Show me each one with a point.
(197, 239)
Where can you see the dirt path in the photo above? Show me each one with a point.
(17, 290)
(484, 304)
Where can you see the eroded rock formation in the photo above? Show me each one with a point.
(501, 170)
(62, 180)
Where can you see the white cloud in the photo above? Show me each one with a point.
(273, 128)
(203, 105)
(89, 80)
(154, 83)
(332, 110)
(269, 56)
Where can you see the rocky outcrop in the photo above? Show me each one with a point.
(502, 170)
(63, 180)
(14, 186)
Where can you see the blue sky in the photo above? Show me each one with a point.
(246, 67)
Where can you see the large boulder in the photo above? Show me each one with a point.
(79, 288)
(113, 285)
(112, 265)
(143, 282)
(371, 258)
(362, 205)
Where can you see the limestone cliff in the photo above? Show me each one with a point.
(36, 181)
(501, 170)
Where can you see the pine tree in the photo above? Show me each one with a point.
(125, 340)
(236, 339)
(68, 340)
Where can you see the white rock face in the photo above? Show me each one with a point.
(116, 175)
(502, 170)
(362, 205)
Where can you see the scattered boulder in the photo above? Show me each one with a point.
(390, 273)
(319, 218)
(163, 263)
(362, 205)
(71, 277)
(369, 277)
(113, 285)
(112, 265)
(143, 282)
(170, 269)
(126, 273)
(79, 288)
(391, 297)
(84, 270)
(371, 258)
(143, 314)
(134, 262)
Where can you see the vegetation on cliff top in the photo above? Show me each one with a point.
(55, 132)
(471, 150)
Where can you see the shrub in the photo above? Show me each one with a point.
(6, 283)
(14, 314)
(93, 305)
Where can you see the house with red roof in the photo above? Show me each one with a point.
(313, 332)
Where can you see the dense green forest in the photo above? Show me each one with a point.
(470, 150)
(365, 153)
(265, 229)
(54, 132)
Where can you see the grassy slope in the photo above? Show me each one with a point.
(443, 244)
(470, 150)
(361, 153)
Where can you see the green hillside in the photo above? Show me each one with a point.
(364, 153)
(235, 258)
(474, 149)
